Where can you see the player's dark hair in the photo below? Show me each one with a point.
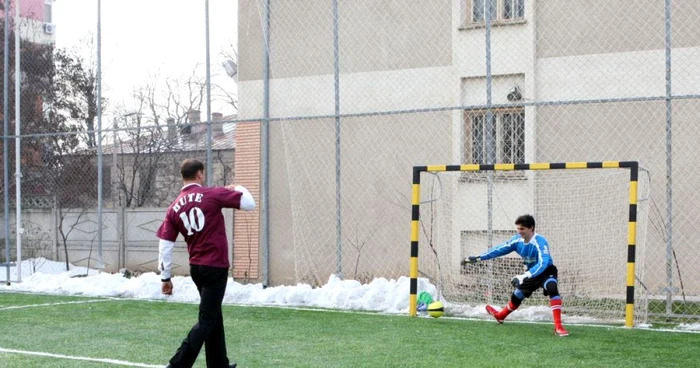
(190, 167)
(526, 221)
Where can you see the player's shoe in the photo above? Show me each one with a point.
(560, 331)
(495, 313)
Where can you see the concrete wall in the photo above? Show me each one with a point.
(128, 238)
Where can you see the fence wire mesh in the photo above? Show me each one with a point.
(361, 91)
(356, 93)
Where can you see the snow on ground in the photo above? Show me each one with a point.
(380, 295)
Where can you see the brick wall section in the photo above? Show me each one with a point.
(247, 224)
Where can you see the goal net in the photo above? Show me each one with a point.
(586, 214)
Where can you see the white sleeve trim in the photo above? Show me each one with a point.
(165, 258)
(247, 201)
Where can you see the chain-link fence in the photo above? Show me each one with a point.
(349, 96)
(92, 148)
(358, 92)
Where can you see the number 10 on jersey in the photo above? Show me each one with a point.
(193, 221)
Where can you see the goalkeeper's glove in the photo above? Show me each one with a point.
(471, 260)
(518, 280)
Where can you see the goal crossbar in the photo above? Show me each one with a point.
(633, 167)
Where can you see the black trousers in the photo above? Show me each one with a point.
(530, 285)
(209, 329)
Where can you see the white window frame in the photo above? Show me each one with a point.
(508, 148)
(497, 14)
(514, 6)
(48, 11)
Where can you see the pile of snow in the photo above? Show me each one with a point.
(380, 295)
(43, 265)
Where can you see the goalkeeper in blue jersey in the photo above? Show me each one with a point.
(541, 271)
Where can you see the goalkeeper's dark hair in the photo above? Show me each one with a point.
(190, 167)
(526, 221)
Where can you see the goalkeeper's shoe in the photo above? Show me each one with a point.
(495, 313)
(560, 331)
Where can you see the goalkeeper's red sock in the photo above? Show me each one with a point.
(555, 304)
(559, 329)
(506, 310)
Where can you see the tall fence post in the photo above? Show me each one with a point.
(669, 163)
(265, 151)
(338, 193)
(100, 257)
(5, 141)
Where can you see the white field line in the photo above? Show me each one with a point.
(53, 304)
(330, 310)
(461, 318)
(60, 356)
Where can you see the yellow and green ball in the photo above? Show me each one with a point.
(436, 309)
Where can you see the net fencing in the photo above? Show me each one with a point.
(354, 94)
(360, 92)
(583, 214)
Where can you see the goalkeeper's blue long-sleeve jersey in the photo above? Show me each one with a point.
(535, 253)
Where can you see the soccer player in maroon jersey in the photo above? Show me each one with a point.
(196, 214)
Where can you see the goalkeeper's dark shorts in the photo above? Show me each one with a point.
(532, 284)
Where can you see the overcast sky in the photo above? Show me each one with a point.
(141, 38)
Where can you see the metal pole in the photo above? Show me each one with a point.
(669, 165)
(489, 123)
(121, 216)
(122, 263)
(265, 151)
(209, 158)
(18, 146)
(338, 193)
(490, 144)
(100, 259)
(5, 141)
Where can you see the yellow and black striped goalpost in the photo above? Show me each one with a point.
(633, 166)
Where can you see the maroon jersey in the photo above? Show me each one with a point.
(196, 214)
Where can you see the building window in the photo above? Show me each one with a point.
(507, 130)
(513, 9)
(501, 10)
(479, 10)
(48, 7)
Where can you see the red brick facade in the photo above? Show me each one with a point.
(247, 224)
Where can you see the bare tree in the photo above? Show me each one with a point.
(146, 153)
(359, 240)
(181, 95)
(36, 244)
(226, 174)
(59, 96)
(141, 153)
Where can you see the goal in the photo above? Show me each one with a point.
(588, 211)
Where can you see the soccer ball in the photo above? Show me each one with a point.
(436, 309)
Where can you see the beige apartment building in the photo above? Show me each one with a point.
(356, 103)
